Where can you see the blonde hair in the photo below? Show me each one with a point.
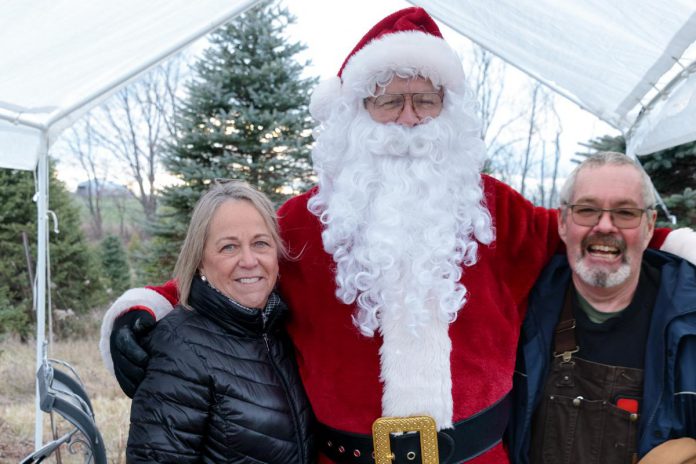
(191, 253)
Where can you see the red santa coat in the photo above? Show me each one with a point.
(340, 368)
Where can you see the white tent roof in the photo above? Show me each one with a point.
(610, 57)
(58, 58)
(61, 57)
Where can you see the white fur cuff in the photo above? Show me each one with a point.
(681, 242)
(159, 305)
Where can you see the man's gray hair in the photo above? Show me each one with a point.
(604, 158)
(191, 253)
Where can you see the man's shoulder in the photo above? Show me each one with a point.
(296, 204)
(294, 217)
(556, 273)
(178, 322)
(677, 275)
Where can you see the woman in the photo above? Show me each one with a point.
(222, 385)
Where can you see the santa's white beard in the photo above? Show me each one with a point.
(402, 209)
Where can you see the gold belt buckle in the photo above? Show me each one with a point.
(383, 427)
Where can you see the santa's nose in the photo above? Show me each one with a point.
(408, 116)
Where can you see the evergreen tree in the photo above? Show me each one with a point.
(245, 117)
(672, 171)
(75, 281)
(114, 262)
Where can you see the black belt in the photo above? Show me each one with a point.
(469, 438)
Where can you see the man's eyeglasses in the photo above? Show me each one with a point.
(623, 218)
(390, 105)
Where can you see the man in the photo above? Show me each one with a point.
(412, 268)
(607, 360)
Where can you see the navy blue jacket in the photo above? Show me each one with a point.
(669, 390)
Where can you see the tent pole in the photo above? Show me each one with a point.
(41, 273)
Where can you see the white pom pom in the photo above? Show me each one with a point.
(324, 98)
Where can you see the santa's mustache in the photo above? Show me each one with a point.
(400, 141)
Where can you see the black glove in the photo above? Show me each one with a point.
(127, 353)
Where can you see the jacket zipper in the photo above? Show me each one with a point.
(294, 410)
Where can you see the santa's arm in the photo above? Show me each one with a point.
(156, 300)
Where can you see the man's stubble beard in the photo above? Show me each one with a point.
(597, 277)
(600, 278)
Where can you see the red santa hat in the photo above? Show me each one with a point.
(408, 38)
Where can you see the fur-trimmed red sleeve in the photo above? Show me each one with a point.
(158, 300)
(169, 290)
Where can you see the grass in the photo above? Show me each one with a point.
(17, 366)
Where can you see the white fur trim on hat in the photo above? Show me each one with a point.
(431, 55)
(681, 242)
(159, 305)
(324, 97)
(415, 370)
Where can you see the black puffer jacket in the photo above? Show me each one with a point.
(221, 387)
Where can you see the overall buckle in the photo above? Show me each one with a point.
(383, 427)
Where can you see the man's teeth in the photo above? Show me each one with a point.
(603, 249)
(248, 280)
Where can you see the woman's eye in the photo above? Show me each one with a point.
(229, 247)
(261, 244)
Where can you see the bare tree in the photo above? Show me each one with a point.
(527, 153)
(541, 149)
(517, 125)
(135, 124)
(81, 144)
(500, 115)
(486, 77)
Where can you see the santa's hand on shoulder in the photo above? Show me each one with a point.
(126, 323)
(127, 353)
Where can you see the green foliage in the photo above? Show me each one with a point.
(75, 281)
(245, 117)
(672, 171)
(114, 262)
(605, 143)
(14, 318)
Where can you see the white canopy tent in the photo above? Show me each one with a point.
(629, 62)
(60, 58)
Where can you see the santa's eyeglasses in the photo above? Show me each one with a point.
(389, 106)
(622, 218)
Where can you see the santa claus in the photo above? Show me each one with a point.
(412, 268)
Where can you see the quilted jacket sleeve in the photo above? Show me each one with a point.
(170, 409)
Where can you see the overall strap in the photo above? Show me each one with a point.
(565, 343)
